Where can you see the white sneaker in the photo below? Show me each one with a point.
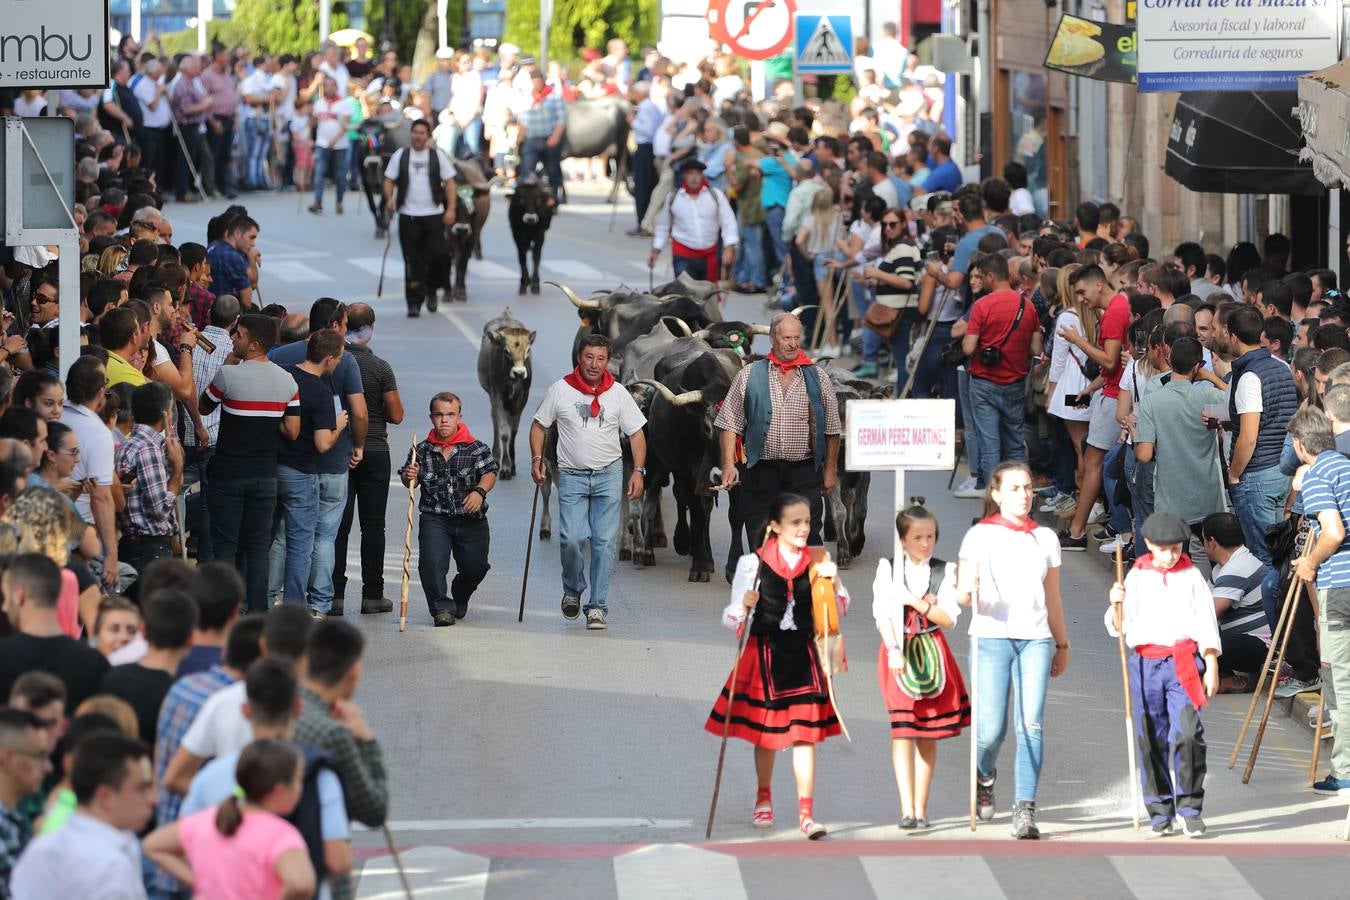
(1052, 502)
(830, 350)
(1097, 511)
(1110, 546)
(967, 490)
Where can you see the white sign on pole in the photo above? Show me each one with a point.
(1234, 45)
(53, 44)
(900, 434)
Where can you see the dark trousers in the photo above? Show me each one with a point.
(425, 257)
(696, 266)
(154, 147)
(438, 538)
(241, 512)
(1302, 655)
(1171, 740)
(535, 151)
(644, 179)
(367, 485)
(195, 463)
(804, 278)
(192, 139)
(767, 479)
(139, 551)
(1241, 653)
(222, 146)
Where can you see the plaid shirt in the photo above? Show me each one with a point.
(15, 832)
(204, 368)
(150, 503)
(789, 435)
(199, 303)
(359, 764)
(180, 707)
(445, 482)
(542, 116)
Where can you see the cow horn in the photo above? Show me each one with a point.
(798, 311)
(572, 295)
(677, 323)
(673, 398)
(664, 298)
(701, 334)
(759, 329)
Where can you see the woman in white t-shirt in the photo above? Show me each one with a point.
(1009, 574)
(1069, 371)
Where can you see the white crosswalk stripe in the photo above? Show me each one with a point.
(578, 271)
(439, 872)
(1183, 877)
(948, 877)
(677, 872)
(393, 268)
(293, 271)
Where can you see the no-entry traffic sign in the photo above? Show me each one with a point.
(754, 29)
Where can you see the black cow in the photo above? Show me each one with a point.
(530, 213)
(625, 315)
(505, 371)
(599, 127)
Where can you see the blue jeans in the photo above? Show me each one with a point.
(438, 538)
(1258, 501)
(1118, 515)
(999, 412)
(1140, 475)
(773, 220)
(332, 501)
(971, 432)
(588, 510)
(330, 162)
(353, 165)
(469, 139)
(1023, 665)
(931, 372)
(697, 268)
(1066, 458)
(297, 521)
(750, 262)
(257, 137)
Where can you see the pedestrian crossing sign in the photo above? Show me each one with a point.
(824, 44)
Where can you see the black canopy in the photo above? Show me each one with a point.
(1239, 142)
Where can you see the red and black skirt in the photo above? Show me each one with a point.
(779, 696)
(941, 714)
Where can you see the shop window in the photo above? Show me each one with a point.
(1028, 132)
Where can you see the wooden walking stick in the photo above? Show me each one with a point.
(1129, 701)
(407, 551)
(1274, 681)
(1270, 653)
(388, 239)
(398, 862)
(1317, 736)
(726, 722)
(529, 545)
(923, 345)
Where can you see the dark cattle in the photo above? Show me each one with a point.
(530, 214)
(641, 356)
(598, 128)
(624, 315)
(846, 507)
(505, 371)
(683, 443)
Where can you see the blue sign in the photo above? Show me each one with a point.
(824, 44)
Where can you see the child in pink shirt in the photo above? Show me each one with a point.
(243, 849)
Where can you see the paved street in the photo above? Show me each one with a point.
(542, 760)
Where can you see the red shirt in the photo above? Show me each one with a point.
(991, 318)
(1114, 326)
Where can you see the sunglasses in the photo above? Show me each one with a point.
(890, 223)
(44, 299)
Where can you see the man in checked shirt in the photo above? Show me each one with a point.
(153, 455)
(455, 471)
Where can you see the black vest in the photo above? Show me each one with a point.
(433, 172)
(306, 816)
(773, 601)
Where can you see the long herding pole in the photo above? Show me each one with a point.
(1129, 701)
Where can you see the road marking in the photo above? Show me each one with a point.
(293, 271)
(371, 264)
(431, 871)
(671, 871)
(464, 329)
(949, 877)
(491, 270)
(519, 824)
(570, 268)
(1183, 877)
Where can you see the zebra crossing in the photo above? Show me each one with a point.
(949, 870)
(318, 269)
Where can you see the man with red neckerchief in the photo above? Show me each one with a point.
(541, 132)
(784, 411)
(592, 413)
(696, 218)
(455, 471)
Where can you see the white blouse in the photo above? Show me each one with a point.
(890, 595)
(747, 567)
(1011, 568)
(1163, 612)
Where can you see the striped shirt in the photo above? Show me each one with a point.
(1239, 582)
(253, 396)
(544, 115)
(150, 504)
(1326, 486)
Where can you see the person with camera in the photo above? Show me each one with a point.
(1002, 337)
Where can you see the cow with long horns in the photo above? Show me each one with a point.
(504, 372)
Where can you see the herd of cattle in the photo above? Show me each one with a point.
(677, 357)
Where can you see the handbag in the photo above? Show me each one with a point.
(954, 353)
(882, 320)
(825, 616)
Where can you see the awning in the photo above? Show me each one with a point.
(1323, 108)
(1238, 142)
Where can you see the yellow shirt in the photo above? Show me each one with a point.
(119, 371)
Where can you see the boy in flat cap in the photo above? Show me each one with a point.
(1167, 613)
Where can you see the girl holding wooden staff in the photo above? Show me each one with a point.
(778, 694)
(1009, 575)
(912, 601)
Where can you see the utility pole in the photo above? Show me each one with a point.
(545, 23)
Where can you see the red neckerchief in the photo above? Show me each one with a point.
(1183, 662)
(694, 193)
(1145, 562)
(1027, 526)
(540, 95)
(801, 359)
(575, 380)
(773, 558)
(461, 436)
